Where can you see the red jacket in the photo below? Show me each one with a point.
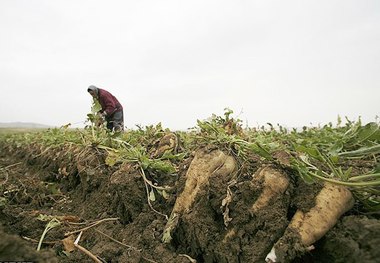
(108, 102)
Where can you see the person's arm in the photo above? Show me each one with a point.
(108, 105)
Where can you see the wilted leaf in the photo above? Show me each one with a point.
(68, 243)
(369, 132)
(53, 188)
(170, 156)
(336, 148)
(69, 218)
(152, 197)
(44, 218)
(164, 194)
(111, 159)
(362, 151)
(310, 151)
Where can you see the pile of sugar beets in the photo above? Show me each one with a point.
(260, 221)
(239, 196)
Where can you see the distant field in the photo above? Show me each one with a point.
(18, 130)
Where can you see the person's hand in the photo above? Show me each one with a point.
(102, 114)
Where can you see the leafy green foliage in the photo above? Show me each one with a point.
(347, 153)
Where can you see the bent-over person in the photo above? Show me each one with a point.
(112, 111)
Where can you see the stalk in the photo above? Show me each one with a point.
(361, 152)
(364, 176)
(358, 184)
(52, 224)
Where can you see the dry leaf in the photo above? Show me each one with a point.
(69, 218)
(68, 243)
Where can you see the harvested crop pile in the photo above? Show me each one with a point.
(218, 193)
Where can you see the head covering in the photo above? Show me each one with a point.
(93, 88)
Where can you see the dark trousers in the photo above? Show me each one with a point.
(115, 122)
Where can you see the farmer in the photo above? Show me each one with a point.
(111, 111)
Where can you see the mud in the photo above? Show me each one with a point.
(43, 182)
(354, 239)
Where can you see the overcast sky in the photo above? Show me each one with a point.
(289, 62)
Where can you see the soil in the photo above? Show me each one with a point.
(36, 181)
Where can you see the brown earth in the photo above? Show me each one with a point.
(37, 182)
